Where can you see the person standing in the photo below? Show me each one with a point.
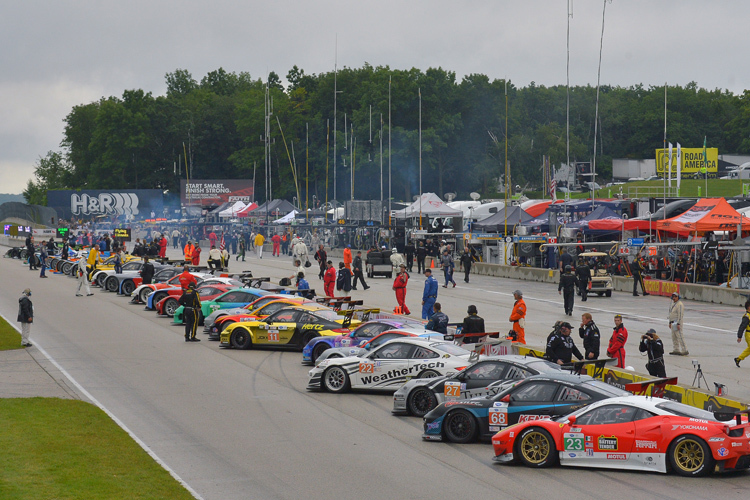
(192, 306)
(163, 247)
(329, 280)
(188, 252)
(43, 261)
(25, 316)
(744, 330)
(652, 345)
(518, 317)
(276, 239)
(429, 296)
(409, 251)
(421, 255)
(197, 255)
(348, 257)
(212, 238)
(637, 269)
(344, 278)
(233, 242)
(473, 323)
(583, 273)
(118, 262)
(224, 260)
(175, 239)
(185, 278)
(466, 262)
(399, 286)
(439, 321)
(322, 257)
(591, 336)
(302, 283)
(560, 346)
(567, 288)
(446, 262)
(357, 271)
(676, 314)
(259, 240)
(242, 249)
(617, 342)
(92, 260)
(565, 260)
(30, 252)
(147, 272)
(83, 278)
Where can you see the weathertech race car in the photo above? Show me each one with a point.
(238, 297)
(291, 327)
(389, 366)
(632, 432)
(382, 338)
(420, 396)
(539, 397)
(363, 334)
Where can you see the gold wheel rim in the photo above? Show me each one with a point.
(535, 447)
(689, 455)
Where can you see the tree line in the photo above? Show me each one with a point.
(141, 141)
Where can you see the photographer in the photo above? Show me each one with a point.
(652, 345)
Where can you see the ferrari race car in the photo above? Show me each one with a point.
(387, 367)
(151, 294)
(260, 309)
(237, 297)
(632, 432)
(169, 304)
(420, 396)
(364, 333)
(540, 397)
(293, 327)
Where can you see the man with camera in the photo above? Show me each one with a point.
(652, 345)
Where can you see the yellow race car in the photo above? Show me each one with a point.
(291, 327)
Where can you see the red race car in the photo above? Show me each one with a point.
(631, 432)
(169, 304)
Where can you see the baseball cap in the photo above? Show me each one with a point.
(565, 324)
(27, 291)
(518, 292)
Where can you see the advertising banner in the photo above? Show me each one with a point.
(93, 203)
(210, 192)
(691, 162)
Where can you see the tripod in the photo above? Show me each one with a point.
(699, 375)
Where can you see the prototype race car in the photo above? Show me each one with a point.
(237, 297)
(291, 327)
(388, 366)
(539, 397)
(632, 432)
(418, 396)
(364, 333)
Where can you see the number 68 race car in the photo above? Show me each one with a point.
(387, 367)
(631, 432)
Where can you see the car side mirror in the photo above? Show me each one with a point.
(572, 419)
(505, 399)
(368, 347)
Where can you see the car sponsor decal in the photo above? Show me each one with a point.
(699, 420)
(494, 428)
(736, 444)
(747, 435)
(645, 445)
(689, 427)
(573, 441)
(575, 429)
(511, 434)
(312, 327)
(452, 389)
(499, 416)
(717, 439)
(393, 373)
(572, 455)
(465, 403)
(589, 452)
(432, 426)
(530, 418)
(616, 456)
(273, 335)
(723, 452)
(607, 443)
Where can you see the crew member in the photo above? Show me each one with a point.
(518, 317)
(93, 259)
(583, 273)
(188, 251)
(466, 261)
(429, 296)
(652, 345)
(329, 280)
(276, 239)
(744, 330)
(185, 278)
(83, 278)
(560, 347)
(568, 286)
(421, 255)
(348, 257)
(399, 286)
(192, 304)
(637, 269)
(357, 272)
(617, 342)
(322, 257)
(259, 240)
(473, 323)
(439, 321)
(591, 336)
(409, 251)
(676, 313)
(214, 258)
(147, 272)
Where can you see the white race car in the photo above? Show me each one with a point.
(389, 366)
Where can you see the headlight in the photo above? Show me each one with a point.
(322, 364)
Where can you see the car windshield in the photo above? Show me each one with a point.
(450, 348)
(543, 366)
(328, 315)
(686, 411)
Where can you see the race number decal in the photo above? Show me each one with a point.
(366, 368)
(273, 335)
(499, 416)
(573, 441)
(452, 389)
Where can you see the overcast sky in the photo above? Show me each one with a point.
(59, 54)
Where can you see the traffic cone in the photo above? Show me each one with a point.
(397, 310)
(432, 263)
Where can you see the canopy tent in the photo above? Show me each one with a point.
(497, 222)
(540, 224)
(220, 208)
(287, 218)
(601, 212)
(232, 211)
(429, 205)
(709, 214)
(617, 225)
(535, 208)
(245, 212)
(273, 207)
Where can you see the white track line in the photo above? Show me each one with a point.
(112, 416)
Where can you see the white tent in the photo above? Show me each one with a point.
(287, 218)
(429, 205)
(233, 210)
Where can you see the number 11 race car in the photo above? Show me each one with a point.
(632, 432)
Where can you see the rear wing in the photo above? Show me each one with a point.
(489, 347)
(362, 314)
(338, 305)
(326, 301)
(579, 367)
(723, 416)
(659, 384)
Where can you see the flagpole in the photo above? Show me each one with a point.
(664, 150)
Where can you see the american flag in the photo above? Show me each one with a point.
(222, 245)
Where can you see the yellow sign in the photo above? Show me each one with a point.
(691, 159)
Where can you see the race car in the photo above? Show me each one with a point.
(237, 297)
(364, 333)
(420, 396)
(98, 276)
(291, 327)
(631, 432)
(251, 312)
(126, 283)
(143, 293)
(169, 304)
(539, 397)
(389, 366)
(108, 263)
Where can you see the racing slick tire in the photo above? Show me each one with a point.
(336, 380)
(421, 401)
(428, 374)
(128, 287)
(143, 295)
(319, 349)
(170, 306)
(690, 456)
(66, 268)
(460, 427)
(536, 448)
(306, 339)
(100, 280)
(608, 293)
(111, 284)
(241, 339)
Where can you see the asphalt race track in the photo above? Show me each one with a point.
(240, 424)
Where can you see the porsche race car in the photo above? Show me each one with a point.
(269, 306)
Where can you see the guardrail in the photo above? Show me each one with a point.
(652, 192)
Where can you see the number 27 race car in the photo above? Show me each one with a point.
(631, 432)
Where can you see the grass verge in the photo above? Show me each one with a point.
(68, 449)
(9, 337)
